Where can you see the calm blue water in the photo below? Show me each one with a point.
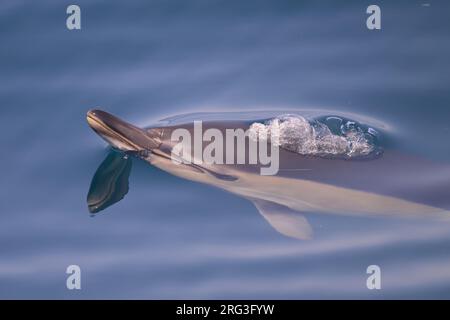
(171, 238)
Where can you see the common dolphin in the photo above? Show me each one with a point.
(373, 185)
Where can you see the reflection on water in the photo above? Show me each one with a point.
(175, 238)
(110, 182)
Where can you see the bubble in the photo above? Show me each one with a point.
(334, 124)
(329, 136)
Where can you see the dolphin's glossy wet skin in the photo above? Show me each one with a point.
(372, 184)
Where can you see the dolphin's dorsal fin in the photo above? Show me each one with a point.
(110, 182)
(286, 221)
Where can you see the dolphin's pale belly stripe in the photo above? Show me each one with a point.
(303, 195)
(319, 197)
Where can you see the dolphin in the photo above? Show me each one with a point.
(383, 183)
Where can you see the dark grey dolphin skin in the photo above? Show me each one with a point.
(389, 185)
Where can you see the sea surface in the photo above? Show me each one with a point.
(173, 238)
